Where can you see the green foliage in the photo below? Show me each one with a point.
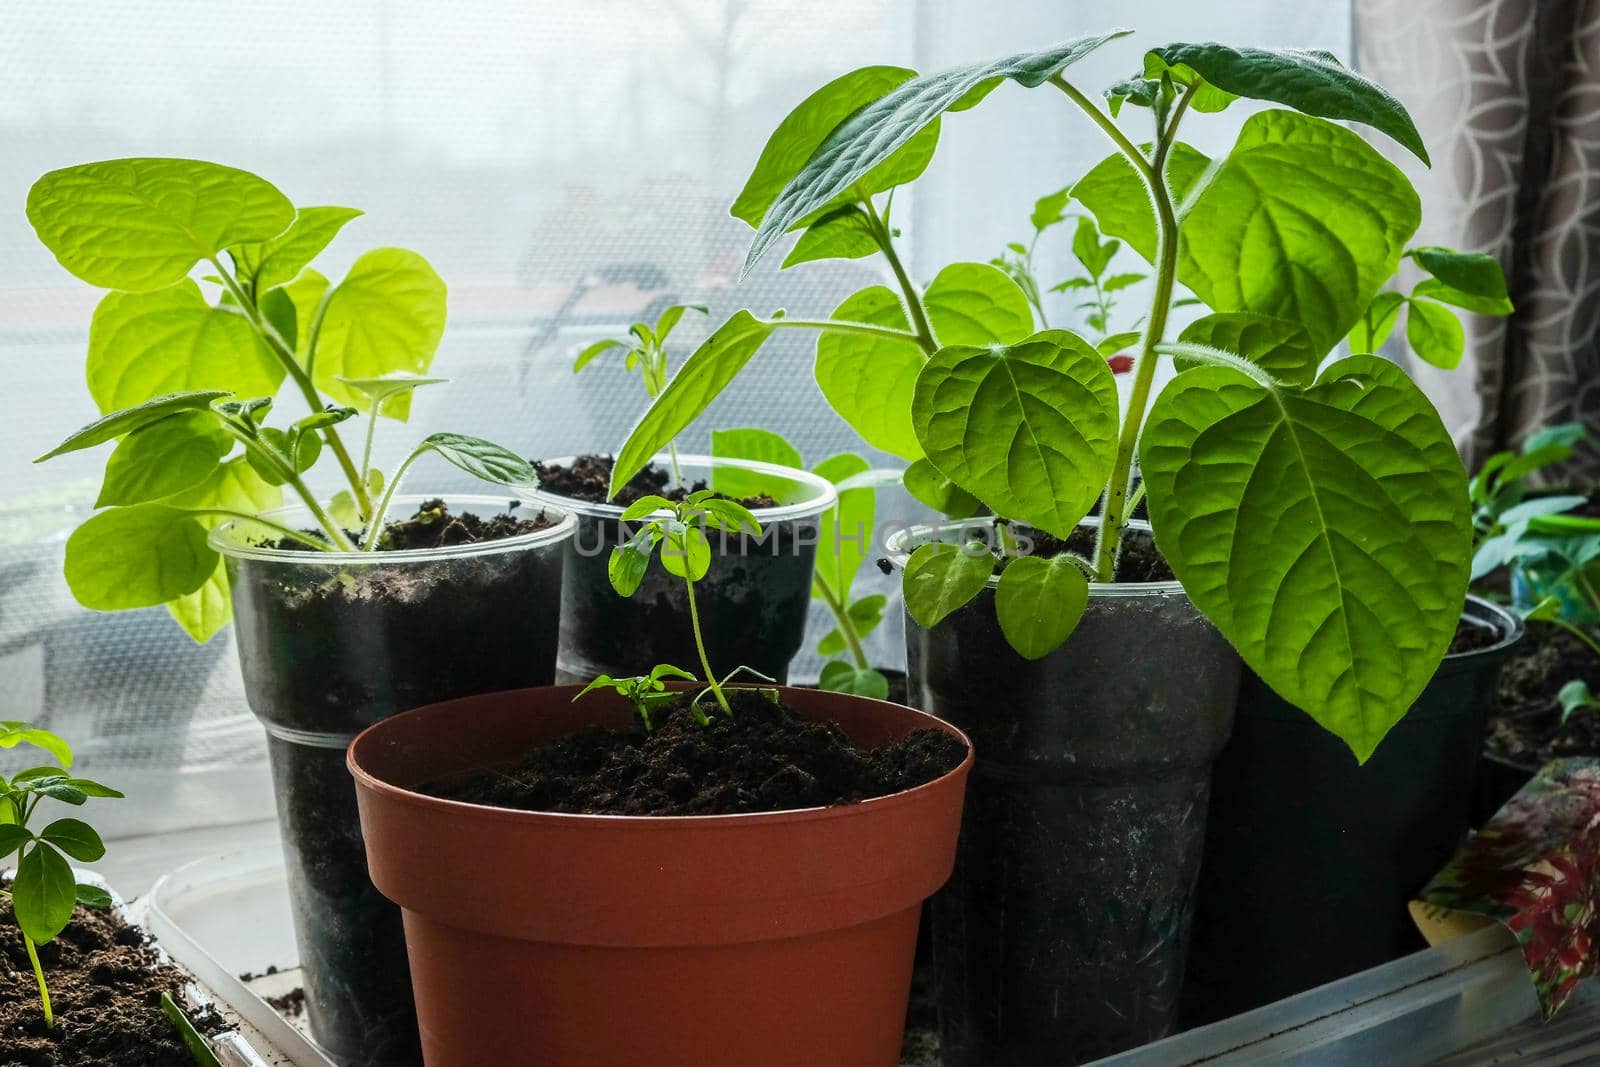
(44, 892)
(1038, 602)
(186, 381)
(645, 693)
(1468, 280)
(940, 578)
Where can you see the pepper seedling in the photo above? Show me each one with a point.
(644, 693)
(674, 531)
(43, 890)
(186, 379)
(646, 353)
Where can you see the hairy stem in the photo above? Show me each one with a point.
(914, 306)
(44, 990)
(285, 470)
(865, 329)
(302, 380)
(276, 527)
(700, 646)
(375, 523)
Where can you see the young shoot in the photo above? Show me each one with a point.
(645, 692)
(646, 353)
(674, 531)
(43, 891)
(186, 461)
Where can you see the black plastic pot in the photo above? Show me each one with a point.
(330, 643)
(753, 602)
(1310, 858)
(1497, 781)
(1061, 937)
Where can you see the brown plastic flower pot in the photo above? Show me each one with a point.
(619, 941)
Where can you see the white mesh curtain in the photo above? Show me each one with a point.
(566, 165)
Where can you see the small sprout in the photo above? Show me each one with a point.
(199, 1049)
(646, 692)
(1574, 697)
(43, 890)
(677, 529)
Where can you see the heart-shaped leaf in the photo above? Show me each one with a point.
(386, 316)
(799, 134)
(1030, 428)
(127, 420)
(1039, 602)
(703, 375)
(1326, 533)
(942, 577)
(1435, 334)
(44, 893)
(870, 380)
(267, 264)
(876, 131)
(141, 224)
(1311, 81)
(137, 557)
(839, 676)
(1278, 346)
(168, 341)
(164, 457)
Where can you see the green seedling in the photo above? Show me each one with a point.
(646, 353)
(674, 531)
(1252, 438)
(1575, 697)
(645, 693)
(1470, 281)
(43, 890)
(186, 376)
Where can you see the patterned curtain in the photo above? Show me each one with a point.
(1507, 95)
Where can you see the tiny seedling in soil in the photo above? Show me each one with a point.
(43, 891)
(188, 460)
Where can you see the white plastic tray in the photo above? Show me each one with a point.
(228, 916)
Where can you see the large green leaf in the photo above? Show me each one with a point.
(799, 134)
(706, 372)
(117, 423)
(1038, 603)
(237, 486)
(1118, 199)
(171, 340)
(1303, 221)
(1326, 533)
(137, 557)
(387, 315)
(141, 224)
(1280, 347)
(1314, 82)
(875, 132)
(267, 264)
(869, 380)
(163, 458)
(1029, 428)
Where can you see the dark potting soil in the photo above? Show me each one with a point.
(588, 478)
(434, 527)
(1140, 561)
(765, 758)
(105, 986)
(1471, 636)
(1525, 724)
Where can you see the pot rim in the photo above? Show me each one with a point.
(227, 539)
(1511, 625)
(898, 550)
(823, 494)
(644, 823)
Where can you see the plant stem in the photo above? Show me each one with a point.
(366, 448)
(700, 646)
(302, 379)
(291, 477)
(275, 527)
(919, 314)
(847, 629)
(1114, 513)
(44, 990)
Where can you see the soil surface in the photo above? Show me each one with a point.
(588, 478)
(765, 758)
(105, 986)
(1140, 560)
(434, 527)
(1525, 724)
